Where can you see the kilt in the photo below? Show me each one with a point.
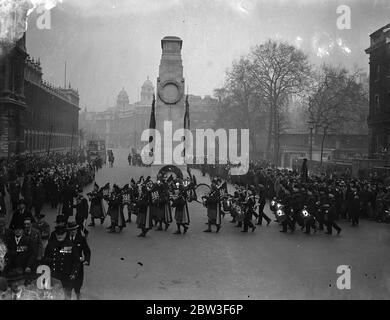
(214, 213)
(117, 217)
(97, 209)
(167, 213)
(157, 212)
(144, 219)
(181, 214)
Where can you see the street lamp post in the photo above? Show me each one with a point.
(311, 127)
(311, 143)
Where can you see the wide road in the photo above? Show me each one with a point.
(265, 264)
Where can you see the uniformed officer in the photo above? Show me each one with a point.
(213, 205)
(262, 202)
(331, 215)
(63, 258)
(249, 210)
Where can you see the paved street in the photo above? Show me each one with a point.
(231, 265)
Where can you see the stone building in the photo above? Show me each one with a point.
(379, 114)
(35, 116)
(123, 124)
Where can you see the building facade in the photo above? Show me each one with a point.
(35, 116)
(341, 147)
(379, 114)
(123, 124)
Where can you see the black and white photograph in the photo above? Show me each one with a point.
(214, 152)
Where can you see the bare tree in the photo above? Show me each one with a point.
(239, 105)
(335, 100)
(278, 70)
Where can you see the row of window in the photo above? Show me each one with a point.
(378, 71)
(378, 101)
(38, 142)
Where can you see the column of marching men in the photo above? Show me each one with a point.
(28, 242)
(315, 200)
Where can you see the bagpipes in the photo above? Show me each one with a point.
(213, 197)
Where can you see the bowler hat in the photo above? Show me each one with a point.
(19, 224)
(72, 226)
(59, 230)
(22, 201)
(60, 219)
(15, 275)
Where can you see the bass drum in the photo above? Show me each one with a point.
(202, 190)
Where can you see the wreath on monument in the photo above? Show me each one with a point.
(170, 170)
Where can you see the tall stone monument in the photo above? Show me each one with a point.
(170, 101)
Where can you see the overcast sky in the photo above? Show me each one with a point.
(110, 44)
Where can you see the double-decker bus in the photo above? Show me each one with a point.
(96, 148)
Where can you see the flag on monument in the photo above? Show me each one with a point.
(186, 123)
(152, 122)
(187, 115)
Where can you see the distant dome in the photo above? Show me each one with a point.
(147, 84)
(123, 98)
(147, 92)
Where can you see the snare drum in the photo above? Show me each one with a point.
(226, 205)
(280, 215)
(240, 214)
(305, 215)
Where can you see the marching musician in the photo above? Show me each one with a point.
(330, 216)
(262, 202)
(165, 195)
(96, 210)
(126, 201)
(181, 208)
(249, 210)
(114, 210)
(233, 211)
(213, 205)
(157, 206)
(307, 213)
(131, 206)
(143, 218)
(286, 221)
